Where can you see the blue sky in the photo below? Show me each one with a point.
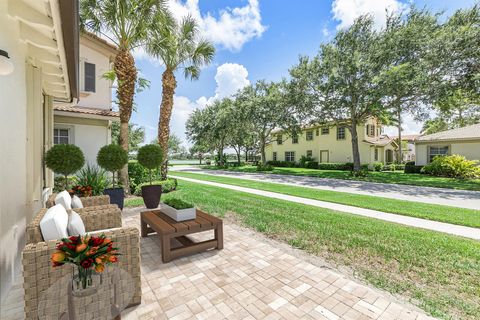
(256, 39)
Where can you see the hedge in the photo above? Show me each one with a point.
(410, 167)
(167, 186)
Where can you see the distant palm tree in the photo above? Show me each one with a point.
(125, 23)
(177, 46)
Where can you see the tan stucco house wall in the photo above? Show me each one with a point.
(325, 147)
(43, 66)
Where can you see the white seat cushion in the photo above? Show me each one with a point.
(75, 227)
(76, 203)
(64, 199)
(54, 223)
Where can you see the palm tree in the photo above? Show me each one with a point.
(178, 46)
(125, 23)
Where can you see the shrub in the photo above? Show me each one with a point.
(208, 162)
(178, 204)
(138, 174)
(150, 156)
(286, 164)
(220, 159)
(167, 186)
(377, 166)
(303, 160)
(94, 177)
(112, 158)
(311, 164)
(410, 167)
(454, 166)
(59, 183)
(266, 167)
(64, 159)
(336, 166)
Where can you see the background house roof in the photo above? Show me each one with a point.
(466, 133)
(88, 111)
(408, 137)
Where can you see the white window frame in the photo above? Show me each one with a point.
(274, 156)
(309, 135)
(295, 138)
(437, 153)
(279, 139)
(325, 131)
(309, 154)
(290, 156)
(71, 133)
(344, 133)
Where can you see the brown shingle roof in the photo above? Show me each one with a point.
(84, 110)
(466, 133)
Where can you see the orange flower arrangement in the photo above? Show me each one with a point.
(87, 253)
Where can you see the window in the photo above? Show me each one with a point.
(437, 151)
(376, 154)
(61, 136)
(309, 135)
(317, 132)
(89, 77)
(295, 138)
(371, 130)
(325, 130)
(279, 139)
(340, 133)
(274, 156)
(309, 153)
(289, 156)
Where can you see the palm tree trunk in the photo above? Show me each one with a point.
(126, 73)
(399, 127)
(169, 85)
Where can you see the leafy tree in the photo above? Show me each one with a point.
(210, 127)
(403, 78)
(125, 23)
(434, 126)
(150, 156)
(198, 150)
(64, 159)
(177, 46)
(112, 158)
(174, 145)
(339, 85)
(242, 131)
(268, 107)
(136, 135)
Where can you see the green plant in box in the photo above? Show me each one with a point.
(64, 159)
(178, 204)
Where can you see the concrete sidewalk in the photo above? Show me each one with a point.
(467, 232)
(448, 197)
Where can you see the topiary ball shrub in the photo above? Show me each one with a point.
(112, 158)
(150, 156)
(64, 159)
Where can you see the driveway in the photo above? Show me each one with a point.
(448, 197)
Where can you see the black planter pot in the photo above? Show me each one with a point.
(151, 196)
(117, 195)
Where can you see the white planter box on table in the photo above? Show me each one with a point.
(178, 215)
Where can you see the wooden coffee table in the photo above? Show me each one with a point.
(168, 229)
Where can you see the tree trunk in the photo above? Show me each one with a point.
(399, 124)
(200, 158)
(169, 85)
(239, 156)
(126, 73)
(220, 156)
(246, 154)
(262, 151)
(355, 151)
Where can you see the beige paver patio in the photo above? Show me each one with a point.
(251, 278)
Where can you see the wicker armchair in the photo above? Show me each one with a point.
(39, 275)
(86, 201)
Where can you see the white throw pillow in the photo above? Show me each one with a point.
(76, 203)
(75, 225)
(64, 199)
(54, 223)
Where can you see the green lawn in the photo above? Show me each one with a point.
(396, 177)
(460, 216)
(438, 272)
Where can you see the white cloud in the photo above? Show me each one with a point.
(346, 11)
(230, 77)
(231, 29)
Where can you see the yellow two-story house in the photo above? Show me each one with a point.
(332, 144)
